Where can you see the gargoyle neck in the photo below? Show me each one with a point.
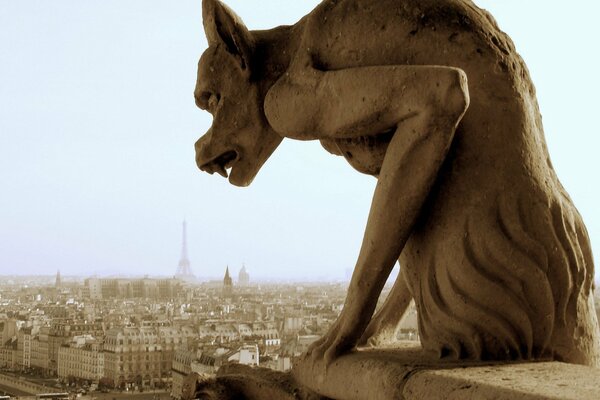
(274, 49)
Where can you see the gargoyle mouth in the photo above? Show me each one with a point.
(221, 163)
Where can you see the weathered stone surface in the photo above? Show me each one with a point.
(432, 98)
(406, 373)
(531, 381)
(368, 374)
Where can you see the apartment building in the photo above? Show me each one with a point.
(133, 355)
(82, 358)
(61, 331)
(24, 348)
(181, 367)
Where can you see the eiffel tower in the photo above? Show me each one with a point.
(184, 272)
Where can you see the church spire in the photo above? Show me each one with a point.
(58, 280)
(227, 283)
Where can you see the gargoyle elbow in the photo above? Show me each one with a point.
(457, 98)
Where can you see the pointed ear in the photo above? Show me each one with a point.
(223, 26)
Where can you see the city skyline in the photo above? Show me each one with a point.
(98, 164)
(103, 338)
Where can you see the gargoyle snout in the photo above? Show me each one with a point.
(202, 147)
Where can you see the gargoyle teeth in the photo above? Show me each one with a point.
(219, 169)
(221, 164)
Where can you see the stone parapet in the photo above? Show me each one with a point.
(409, 373)
(527, 381)
(406, 374)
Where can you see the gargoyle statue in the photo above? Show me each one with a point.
(430, 97)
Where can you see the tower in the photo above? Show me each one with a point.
(227, 283)
(58, 281)
(184, 271)
(243, 276)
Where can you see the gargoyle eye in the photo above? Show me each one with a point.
(203, 100)
(208, 101)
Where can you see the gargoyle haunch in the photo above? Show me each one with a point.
(431, 98)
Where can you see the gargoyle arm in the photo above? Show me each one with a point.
(383, 327)
(424, 104)
(309, 104)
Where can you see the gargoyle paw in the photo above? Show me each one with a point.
(328, 348)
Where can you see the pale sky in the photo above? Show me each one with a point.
(98, 122)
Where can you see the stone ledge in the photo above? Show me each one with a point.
(410, 374)
(405, 374)
(528, 381)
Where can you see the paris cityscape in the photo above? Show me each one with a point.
(109, 337)
(98, 296)
(113, 337)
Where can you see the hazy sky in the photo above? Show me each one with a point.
(98, 122)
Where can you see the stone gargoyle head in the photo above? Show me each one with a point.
(240, 138)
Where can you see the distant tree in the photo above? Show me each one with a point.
(106, 383)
